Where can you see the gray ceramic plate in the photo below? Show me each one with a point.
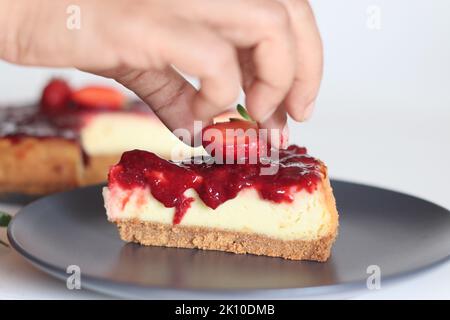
(399, 233)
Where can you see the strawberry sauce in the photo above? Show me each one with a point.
(216, 183)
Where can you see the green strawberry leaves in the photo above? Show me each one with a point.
(243, 112)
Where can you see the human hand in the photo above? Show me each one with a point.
(270, 47)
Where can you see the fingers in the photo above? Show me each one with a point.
(198, 51)
(280, 55)
(208, 51)
(278, 131)
(263, 26)
(166, 92)
(299, 103)
(274, 65)
(273, 79)
(173, 99)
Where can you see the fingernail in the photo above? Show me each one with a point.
(308, 111)
(284, 143)
(279, 139)
(267, 116)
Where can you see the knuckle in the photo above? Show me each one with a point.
(230, 96)
(222, 75)
(273, 15)
(221, 58)
(226, 96)
(302, 8)
(281, 83)
(223, 97)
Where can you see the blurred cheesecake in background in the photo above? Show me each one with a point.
(72, 137)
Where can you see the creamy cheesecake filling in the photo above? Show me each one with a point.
(115, 133)
(306, 218)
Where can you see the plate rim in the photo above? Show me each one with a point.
(100, 284)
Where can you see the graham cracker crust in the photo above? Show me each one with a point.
(179, 236)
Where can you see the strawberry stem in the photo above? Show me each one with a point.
(243, 112)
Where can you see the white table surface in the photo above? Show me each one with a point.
(383, 118)
(408, 153)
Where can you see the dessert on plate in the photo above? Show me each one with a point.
(228, 207)
(71, 137)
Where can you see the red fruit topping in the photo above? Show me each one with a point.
(216, 183)
(97, 97)
(55, 97)
(233, 140)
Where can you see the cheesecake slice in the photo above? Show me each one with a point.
(230, 207)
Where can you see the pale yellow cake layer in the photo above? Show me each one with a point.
(308, 217)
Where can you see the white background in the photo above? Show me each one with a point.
(383, 117)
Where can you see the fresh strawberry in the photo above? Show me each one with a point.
(55, 97)
(97, 97)
(236, 139)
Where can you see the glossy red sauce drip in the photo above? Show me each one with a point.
(181, 209)
(216, 183)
